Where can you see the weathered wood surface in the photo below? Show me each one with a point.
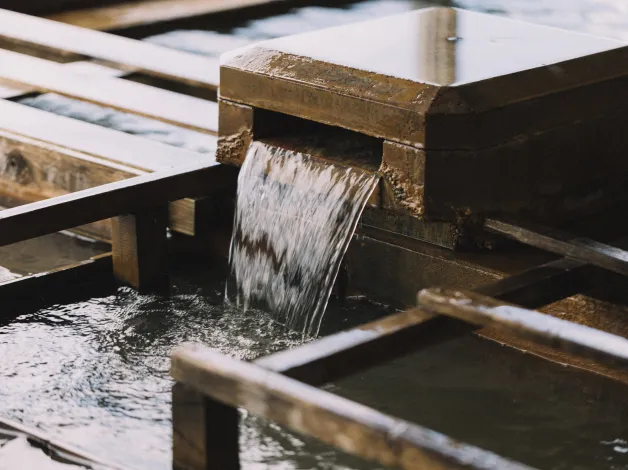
(90, 205)
(64, 155)
(346, 353)
(544, 329)
(347, 425)
(11, 90)
(18, 295)
(205, 432)
(162, 105)
(145, 57)
(130, 14)
(565, 244)
(140, 249)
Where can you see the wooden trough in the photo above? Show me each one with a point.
(131, 191)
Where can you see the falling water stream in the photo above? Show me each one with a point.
(294, 219)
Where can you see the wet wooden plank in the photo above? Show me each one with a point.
(565, 244)
(31, 170)
(11, 90)
(143, 56)
(109, 200)
(347, 425)
(108, 144)
(141, 13)
(140, 249)
(205, 433)
(162, 105)
(527, 324)
(349, 352)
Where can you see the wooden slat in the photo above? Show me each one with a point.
(117, 93)
(349, 352)
(11, 90)
(131, 14)
(340, 422)
(55, 447)
(565, 244)
(90, 205)
(148, 58)
(527, 324)
(31, 170)
(108, 144)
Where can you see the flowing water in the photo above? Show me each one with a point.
(294, 219)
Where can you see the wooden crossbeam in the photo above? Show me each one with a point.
(562, 243)
(106, 201)
(162, 105)
(314, 412)
(63, 155)
(142, 56)
(130, 14)
(527, 324)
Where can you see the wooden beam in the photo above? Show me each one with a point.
(55, 447)
(340, 422)
(544, 329)
(142, 13)
(163, 105)
(90, 205)
(205, 433)
(565, 244)
(349, 352)
(33, 291)
(64, 155)
(140, 249)
(143, 56)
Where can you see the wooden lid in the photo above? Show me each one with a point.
(439, 78)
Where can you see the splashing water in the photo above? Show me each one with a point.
(294, 219)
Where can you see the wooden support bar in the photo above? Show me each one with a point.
(140, 249)
(342, 423)
(346, 353)
(52, 287)
(543, 329)
(55, 447)
(145, 57)
(565, 244)
(205, 432)
(163, 105)
(131, 195)
(142, 13)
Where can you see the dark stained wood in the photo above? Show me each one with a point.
(340, 422)
(131, 195)
(63, 155)
(566, 244)
(162, 105)
(148, 58)
(544, 329)
(140, 249)
(349, 352)
(205, 432)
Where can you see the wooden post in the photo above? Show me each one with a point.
(205, 432)
(140, 256)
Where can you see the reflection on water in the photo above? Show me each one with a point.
(95, 373)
